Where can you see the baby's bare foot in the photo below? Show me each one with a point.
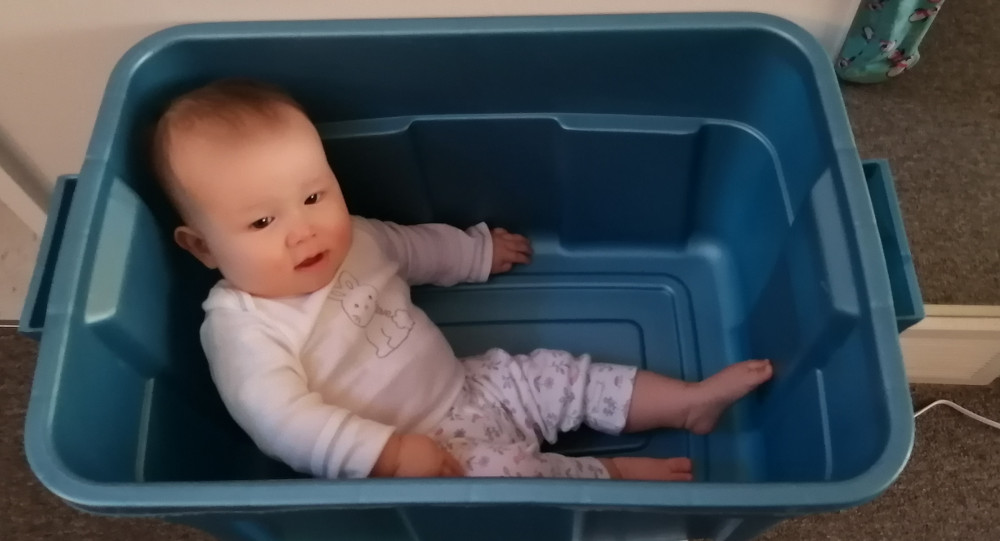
(648, 469)
(719, 391)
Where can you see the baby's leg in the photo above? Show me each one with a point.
(648, 469)
(548, 391)
(524, 460)
(662, 402)
(488, 442)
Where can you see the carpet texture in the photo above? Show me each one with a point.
(939, 126)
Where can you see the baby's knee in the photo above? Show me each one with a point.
(484, 460)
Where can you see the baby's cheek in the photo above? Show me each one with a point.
(342, 233)
(340, 239)
(255, 256)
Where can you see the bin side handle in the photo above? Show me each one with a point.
(907, 301)
(37, 300)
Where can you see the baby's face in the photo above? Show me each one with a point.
(265, 208)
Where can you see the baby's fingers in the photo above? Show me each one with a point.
(520, 244)
(678, 476)
(516, 248)
(511, 239)
(518, 257)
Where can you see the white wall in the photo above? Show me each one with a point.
(56, 55)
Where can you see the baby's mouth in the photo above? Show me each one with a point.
(310, 261)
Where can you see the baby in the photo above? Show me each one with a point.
(321, 357)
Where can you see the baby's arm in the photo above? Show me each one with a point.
(445, 255)
(264, 388)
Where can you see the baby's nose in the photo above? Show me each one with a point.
(299, 232)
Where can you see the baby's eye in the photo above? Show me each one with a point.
(262, 223)
(314, 198)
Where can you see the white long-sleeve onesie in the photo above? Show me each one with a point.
(321, 381)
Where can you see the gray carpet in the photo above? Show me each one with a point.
(938, 126)
(28, 511)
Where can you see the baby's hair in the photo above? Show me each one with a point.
(235, 105)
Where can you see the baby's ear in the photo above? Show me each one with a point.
(192, 241)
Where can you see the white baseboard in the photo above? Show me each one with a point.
(954, 344)
(21, 204)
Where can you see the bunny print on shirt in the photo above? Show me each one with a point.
(385, 329)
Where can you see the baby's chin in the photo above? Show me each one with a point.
(274, 289)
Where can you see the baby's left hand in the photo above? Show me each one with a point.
(508, 249)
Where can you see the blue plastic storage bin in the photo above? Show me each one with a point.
(695, 198)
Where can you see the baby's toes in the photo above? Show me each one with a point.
(761, 366)
(679, 465)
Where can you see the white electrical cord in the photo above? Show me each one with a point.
(961, 410)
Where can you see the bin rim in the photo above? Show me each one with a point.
(174, 498)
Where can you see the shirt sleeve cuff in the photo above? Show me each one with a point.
(483, 262)
(360, 461)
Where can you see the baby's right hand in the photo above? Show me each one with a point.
(415, 455)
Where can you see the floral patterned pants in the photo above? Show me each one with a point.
(511, 402)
